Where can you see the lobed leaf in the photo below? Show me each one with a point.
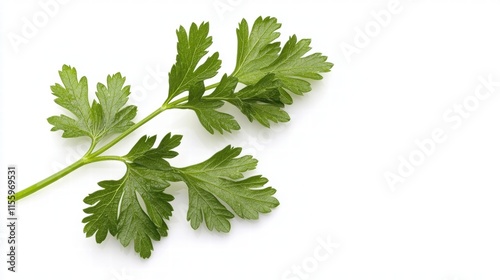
(256, 48)
(259, 54)
(220, 178)
(116, 208)
(96, 120)
(190, 50)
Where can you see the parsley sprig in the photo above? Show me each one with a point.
(137, 206)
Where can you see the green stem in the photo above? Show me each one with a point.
(51, 179)
(106, 158)
(87, 158)
(173, 104)
(212, 86)
(91, 156)
(176, 102)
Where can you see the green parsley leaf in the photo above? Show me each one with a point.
(270, 72)
(259, 54)
(261, 102)
(114, 118)
(220, 178)
(98, 120)
(190, 50)
(292, 68)
(256, 49)
(117, 209)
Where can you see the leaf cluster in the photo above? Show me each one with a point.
(136, 207)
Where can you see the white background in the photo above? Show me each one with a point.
(328, 163)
